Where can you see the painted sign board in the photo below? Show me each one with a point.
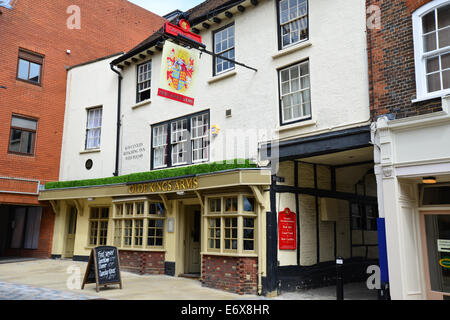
(443, 245)
(103, 267)
(182, 29)
(287, 230)
(179, 69)
(164, 186)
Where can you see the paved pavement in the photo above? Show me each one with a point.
(61, 280)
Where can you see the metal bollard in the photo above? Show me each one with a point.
(339, 278)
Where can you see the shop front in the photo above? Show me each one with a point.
(205, 226)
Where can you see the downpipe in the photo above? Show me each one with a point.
(119, 96)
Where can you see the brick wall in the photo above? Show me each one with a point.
(107, 27)
(142, 262)
(233, 274)
(391, 62)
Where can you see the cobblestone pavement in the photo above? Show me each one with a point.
(14, 291)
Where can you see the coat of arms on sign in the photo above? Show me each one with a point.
(180, 68)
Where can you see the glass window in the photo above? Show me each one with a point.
(224, 46)
(128, 229)
(293, 21)
(231, 204)
(98, 226)
(249, 204)
(214, 233)
(93, 128)
(189, 141)
(118, 233)
(22, 135)
(231, 232)
(29, 66)
(215, 205)
(157, 208)
(249, 234)
(155, 232)
(160, 146)
(144, 81)
(138, 232)
(295, 92)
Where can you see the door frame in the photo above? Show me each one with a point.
(189, 217)
(430, 294)
(66, 228)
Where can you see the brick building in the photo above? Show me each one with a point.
(39, 41)
(409, 86)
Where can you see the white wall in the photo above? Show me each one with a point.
(339, 88)
(89, 86)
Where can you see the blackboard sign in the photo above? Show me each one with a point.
(103, 267)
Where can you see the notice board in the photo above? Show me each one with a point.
(287, 230)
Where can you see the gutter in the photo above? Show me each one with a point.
(119, 93)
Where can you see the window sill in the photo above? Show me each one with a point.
(222, 76)
(141, 104)
(297, 125)
(295, 48)
(90, 151)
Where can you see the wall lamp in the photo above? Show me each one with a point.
(429, 180)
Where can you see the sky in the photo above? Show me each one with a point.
(162, 7)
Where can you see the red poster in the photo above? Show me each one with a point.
(287, 230)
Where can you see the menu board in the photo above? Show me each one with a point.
(287, 230)
(103, 267)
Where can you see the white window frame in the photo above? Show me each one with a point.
(94, 128)
(160, 143)
(299, 91)
(145, 79)
(228, 49)
(419, 54)
(289, 21)
(182, 133)
(204, 136)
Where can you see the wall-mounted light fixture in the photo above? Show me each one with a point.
(429, 180)
(90, 199)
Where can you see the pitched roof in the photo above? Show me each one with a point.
(197, 14)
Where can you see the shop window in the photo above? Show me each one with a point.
(214, 234)
(438, 246)
(155, 232)
(139, 228)
(144, 82)
(249, 234)
(30, 67)
(293, 21)
(181, 141)
(98, 226)
(22, 136)
(231, 227)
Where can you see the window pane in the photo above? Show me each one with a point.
(444, 16)
(24, 123)
(26, 143)
(35, 72)
(14, 141)
(429, 42)
(434, 82)
(432, 65)
(444, 38)
(446, 79)
(22, 72)
(429, 22)
(249, 204)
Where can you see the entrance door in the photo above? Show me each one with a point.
(71, 229)
(436, 246)
(192, 240)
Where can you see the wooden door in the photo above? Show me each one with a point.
(192, 241)
(71, 230)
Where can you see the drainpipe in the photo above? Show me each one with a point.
(119, 90)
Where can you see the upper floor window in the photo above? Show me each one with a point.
(23, 135)
(224, 46)
(30, 67)
(432, 49)
(293, 21)
(93, 128)
(144, 81)
(181, 141)
(295, 93)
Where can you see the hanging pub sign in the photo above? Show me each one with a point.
(179, 65)
(103, 267)
(287, 230)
